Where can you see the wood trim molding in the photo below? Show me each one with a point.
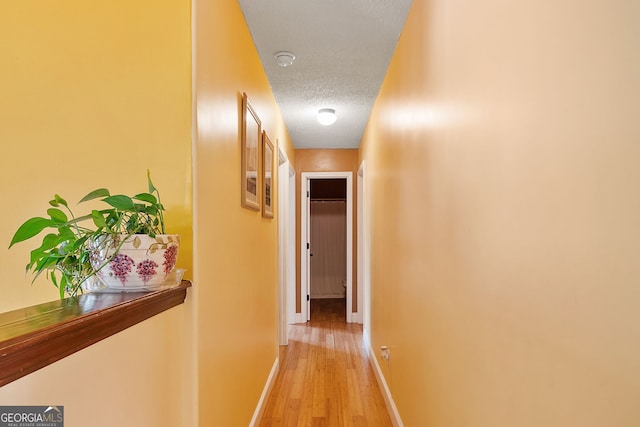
(34, 337)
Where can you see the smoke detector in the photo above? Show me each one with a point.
(283, 58)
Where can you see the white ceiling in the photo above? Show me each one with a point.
(342, 48)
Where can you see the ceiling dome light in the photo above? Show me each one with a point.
(284, 59)
(327, 116)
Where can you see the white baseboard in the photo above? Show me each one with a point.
(386, 393)
(300, 319)
(257, 415)
(356, 318)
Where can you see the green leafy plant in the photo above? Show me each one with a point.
(64, 255)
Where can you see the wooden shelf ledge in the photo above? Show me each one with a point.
(34, 337)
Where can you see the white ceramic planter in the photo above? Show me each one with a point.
(141, 263)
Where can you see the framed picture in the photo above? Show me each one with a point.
(267, 176)
(250, 147)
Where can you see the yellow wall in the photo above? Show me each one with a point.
(89, 99)
(134, 378)
(326, 160)
(236, 249)
(93, 89)
(93, 94)
(503, 168)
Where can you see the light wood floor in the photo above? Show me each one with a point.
(325, 378)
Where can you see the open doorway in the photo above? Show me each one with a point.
(328, 241)
(326, 270)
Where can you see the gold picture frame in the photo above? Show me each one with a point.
(267, 176)
(250, 147)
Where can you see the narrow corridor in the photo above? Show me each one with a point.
(325, 378)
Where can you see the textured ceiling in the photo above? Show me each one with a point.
(342, 48)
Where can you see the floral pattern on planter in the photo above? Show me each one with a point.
(170, 256)
(121, 266)
(147, 269)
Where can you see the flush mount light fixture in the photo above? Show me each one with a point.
(283, 58)
(327, 116)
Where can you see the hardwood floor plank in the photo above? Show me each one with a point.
(298, 378)
(325, 378)
(292, 414)
(355, 393)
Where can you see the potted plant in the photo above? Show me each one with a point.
(123, 245)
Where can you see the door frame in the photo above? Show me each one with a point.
(286, 246)
(364, 254)
(305, 293)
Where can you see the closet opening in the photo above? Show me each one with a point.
(328, 245)
(327, 242)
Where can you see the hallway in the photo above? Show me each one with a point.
(325, 378)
